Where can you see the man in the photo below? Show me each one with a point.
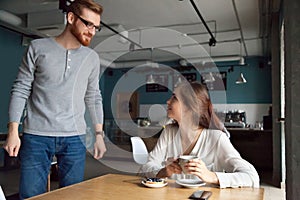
(57, 80)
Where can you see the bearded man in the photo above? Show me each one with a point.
(57, 81)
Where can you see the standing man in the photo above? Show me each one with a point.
(57, 80)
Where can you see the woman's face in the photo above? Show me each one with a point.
(174, 107)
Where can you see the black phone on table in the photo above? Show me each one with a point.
(200, 195)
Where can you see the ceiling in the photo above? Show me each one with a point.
(240, 27)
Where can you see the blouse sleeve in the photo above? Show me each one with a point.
(157, 156)
(237, 172)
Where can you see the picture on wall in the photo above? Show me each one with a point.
(190, 77)
(160, 83)
(127, 105)
(214, 80)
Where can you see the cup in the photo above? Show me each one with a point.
(183, 160)
(259, 125)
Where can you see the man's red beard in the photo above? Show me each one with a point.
(83, 38)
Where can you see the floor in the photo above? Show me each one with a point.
(94, 168)
(273, 193)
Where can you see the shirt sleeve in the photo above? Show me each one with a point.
(93, 97)
(22, 86)
(237, 172)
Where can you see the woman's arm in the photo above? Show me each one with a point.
(237, 171)
(230, 170)
(158, 156)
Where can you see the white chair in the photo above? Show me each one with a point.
(2, 197)
(139, 150)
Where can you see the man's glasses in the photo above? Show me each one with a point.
(88, 24)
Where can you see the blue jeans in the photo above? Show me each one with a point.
(36, 155)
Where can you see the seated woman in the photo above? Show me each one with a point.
(198, 131)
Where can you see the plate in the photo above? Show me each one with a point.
(190, 183)
(153, 185)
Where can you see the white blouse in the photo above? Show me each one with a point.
(213, 148)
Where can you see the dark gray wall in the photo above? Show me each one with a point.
(292, 72)
(11, 52)
(276, 101)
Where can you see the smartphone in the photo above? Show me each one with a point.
(200, 195)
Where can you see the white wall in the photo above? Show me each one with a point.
(254, 112)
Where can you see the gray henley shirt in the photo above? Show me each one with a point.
(56, 85)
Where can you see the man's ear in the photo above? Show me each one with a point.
(70, 18)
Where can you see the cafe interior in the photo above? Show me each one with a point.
(239, 49)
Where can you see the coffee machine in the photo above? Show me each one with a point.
(235, 119)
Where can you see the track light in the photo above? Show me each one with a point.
(183, 62)
(209, 77)
(241, 79)
(242, 61)
(150, 79)
(179, 80)
(131, 46)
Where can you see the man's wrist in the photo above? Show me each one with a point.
(13, 126)
(100, 133)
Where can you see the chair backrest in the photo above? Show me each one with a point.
(139, 150)
(2, 197)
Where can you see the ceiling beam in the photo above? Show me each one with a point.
(240, 27)
(212, 40)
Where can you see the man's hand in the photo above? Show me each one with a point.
(99, 147)
(12, 144)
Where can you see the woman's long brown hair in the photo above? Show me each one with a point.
(195, 98)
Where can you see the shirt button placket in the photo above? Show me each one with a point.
(68, 61)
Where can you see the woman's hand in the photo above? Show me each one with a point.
(198, 168)
(172, 167)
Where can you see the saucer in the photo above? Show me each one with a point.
(154, 185)
(190, 183)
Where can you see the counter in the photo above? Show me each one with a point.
(256, 146)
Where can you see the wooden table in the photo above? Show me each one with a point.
(115, 186)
